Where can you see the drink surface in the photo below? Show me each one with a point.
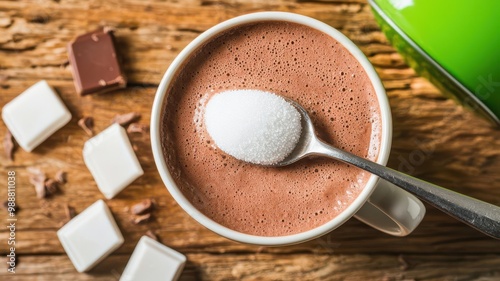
(294, 61)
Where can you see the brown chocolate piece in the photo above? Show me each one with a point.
(127, 118)
(95, 63)
(8, 145)
(145, 206)
(87, 124)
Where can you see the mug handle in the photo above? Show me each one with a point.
(392, 210)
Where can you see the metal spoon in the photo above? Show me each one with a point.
(480, 215)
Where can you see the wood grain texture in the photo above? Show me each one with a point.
(259, 266)
(433, 139)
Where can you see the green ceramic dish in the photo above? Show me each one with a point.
(454, 44)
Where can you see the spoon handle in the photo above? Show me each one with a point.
(478, 214)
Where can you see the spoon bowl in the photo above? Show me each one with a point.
(307, 141)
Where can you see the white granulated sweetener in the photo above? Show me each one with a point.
(252, 125)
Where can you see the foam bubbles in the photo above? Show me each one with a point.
(254, 126)
(254, 199)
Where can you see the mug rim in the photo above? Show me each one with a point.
(161, 93)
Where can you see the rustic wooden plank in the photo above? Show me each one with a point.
(41, 31)
(261, 266)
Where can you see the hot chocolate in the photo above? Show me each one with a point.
(294, 61)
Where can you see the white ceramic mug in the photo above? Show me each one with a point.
(380, 204)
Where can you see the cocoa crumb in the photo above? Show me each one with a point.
(137, 128)
(126, 119)
(152, 235)
(404, 264)
(87, 124)
(8, 145)
(141, 219)
(61, 177)
(143, 207)
(69, 211)
(51, 186)
(37, 178)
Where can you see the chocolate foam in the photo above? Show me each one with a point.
(294, 61)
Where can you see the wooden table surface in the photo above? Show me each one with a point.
(444, 143)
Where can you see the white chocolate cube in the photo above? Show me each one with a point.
(35, 115)
(90, 236)
(153, 261)
(111, 160)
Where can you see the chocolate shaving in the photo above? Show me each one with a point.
(141, 219)
(37, 178)
(69, 211)
(40, 190)
(61, 177)
(87, 124)
(125, 119)
(8, 145)
(145, 206)
(151, 235)
(137, 128)
(51, 186)
(404, 264)
(45, 186)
